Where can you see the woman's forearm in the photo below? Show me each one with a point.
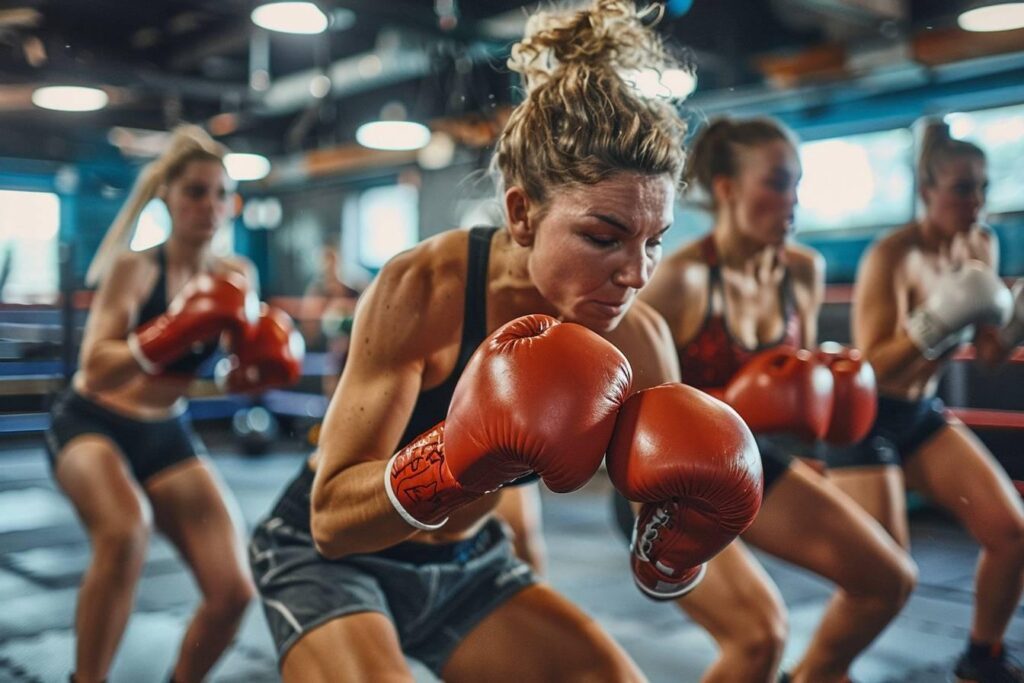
(352, 513)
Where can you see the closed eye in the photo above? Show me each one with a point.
(656, 240)
(604, 242)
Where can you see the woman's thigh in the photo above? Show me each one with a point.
(736, 598)
(190, 508)
(958, 472)
(95, 476)
(538, 635)
(880, 490)
(811, 523)
(356, 647)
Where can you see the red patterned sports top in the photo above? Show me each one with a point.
(713, 356)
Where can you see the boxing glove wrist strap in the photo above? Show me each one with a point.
(652, 584)
(1012, 335)
(657, 571)
(419, 484)
(929, 335)
(148, 366)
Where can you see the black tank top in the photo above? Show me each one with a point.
(431, 405)
(155, 305)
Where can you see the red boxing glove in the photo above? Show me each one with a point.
(783, 390)
(270, 354)
(694, 464)
(855, 400)
(207, 306)
(537, 396)
(715, 392)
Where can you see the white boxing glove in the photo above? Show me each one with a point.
(972, 295)
(1012, 333)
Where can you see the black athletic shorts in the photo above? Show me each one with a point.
(900, 429)
(433, 594)
(150, 446)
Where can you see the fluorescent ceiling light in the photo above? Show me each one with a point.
(69, 98)
(393, 135)
(438, 153)
(673, 84)
(246, 166)
(1004, 16)
(680, 83)
(290, 17)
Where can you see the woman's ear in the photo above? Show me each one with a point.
(722, 188)
(517, 208)
(923, 192)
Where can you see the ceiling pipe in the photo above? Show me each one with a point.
(855, 11)
(836, 61)
(399, 56)
(903, 76)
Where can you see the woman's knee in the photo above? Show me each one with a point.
(1005, 537)
(229, 600)
(896, 580)
(767, 637)
(122, 545)
(762, 635)
(906, 577)
(883, 574)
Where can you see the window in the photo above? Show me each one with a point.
(856, 181)
(386, 220)
(29, 226)
(153, 227)
(1000, 133)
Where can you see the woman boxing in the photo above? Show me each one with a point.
(122, 449)
(741, 289)
(920, 291)
(388, 548)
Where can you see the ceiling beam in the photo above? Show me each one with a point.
(231, 40)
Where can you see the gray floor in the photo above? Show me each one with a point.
(43, 552)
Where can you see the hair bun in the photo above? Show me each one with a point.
(609, 35)
(583, 118)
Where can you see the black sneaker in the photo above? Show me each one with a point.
(1001, 669)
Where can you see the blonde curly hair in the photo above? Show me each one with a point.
(583, 119)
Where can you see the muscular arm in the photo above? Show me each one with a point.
(646, 341)
(666, 292)
(876, 329)
(351, 512)
(809, 273)
(663, 360)
(106, 360)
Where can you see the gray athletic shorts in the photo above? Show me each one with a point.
(434, 594)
